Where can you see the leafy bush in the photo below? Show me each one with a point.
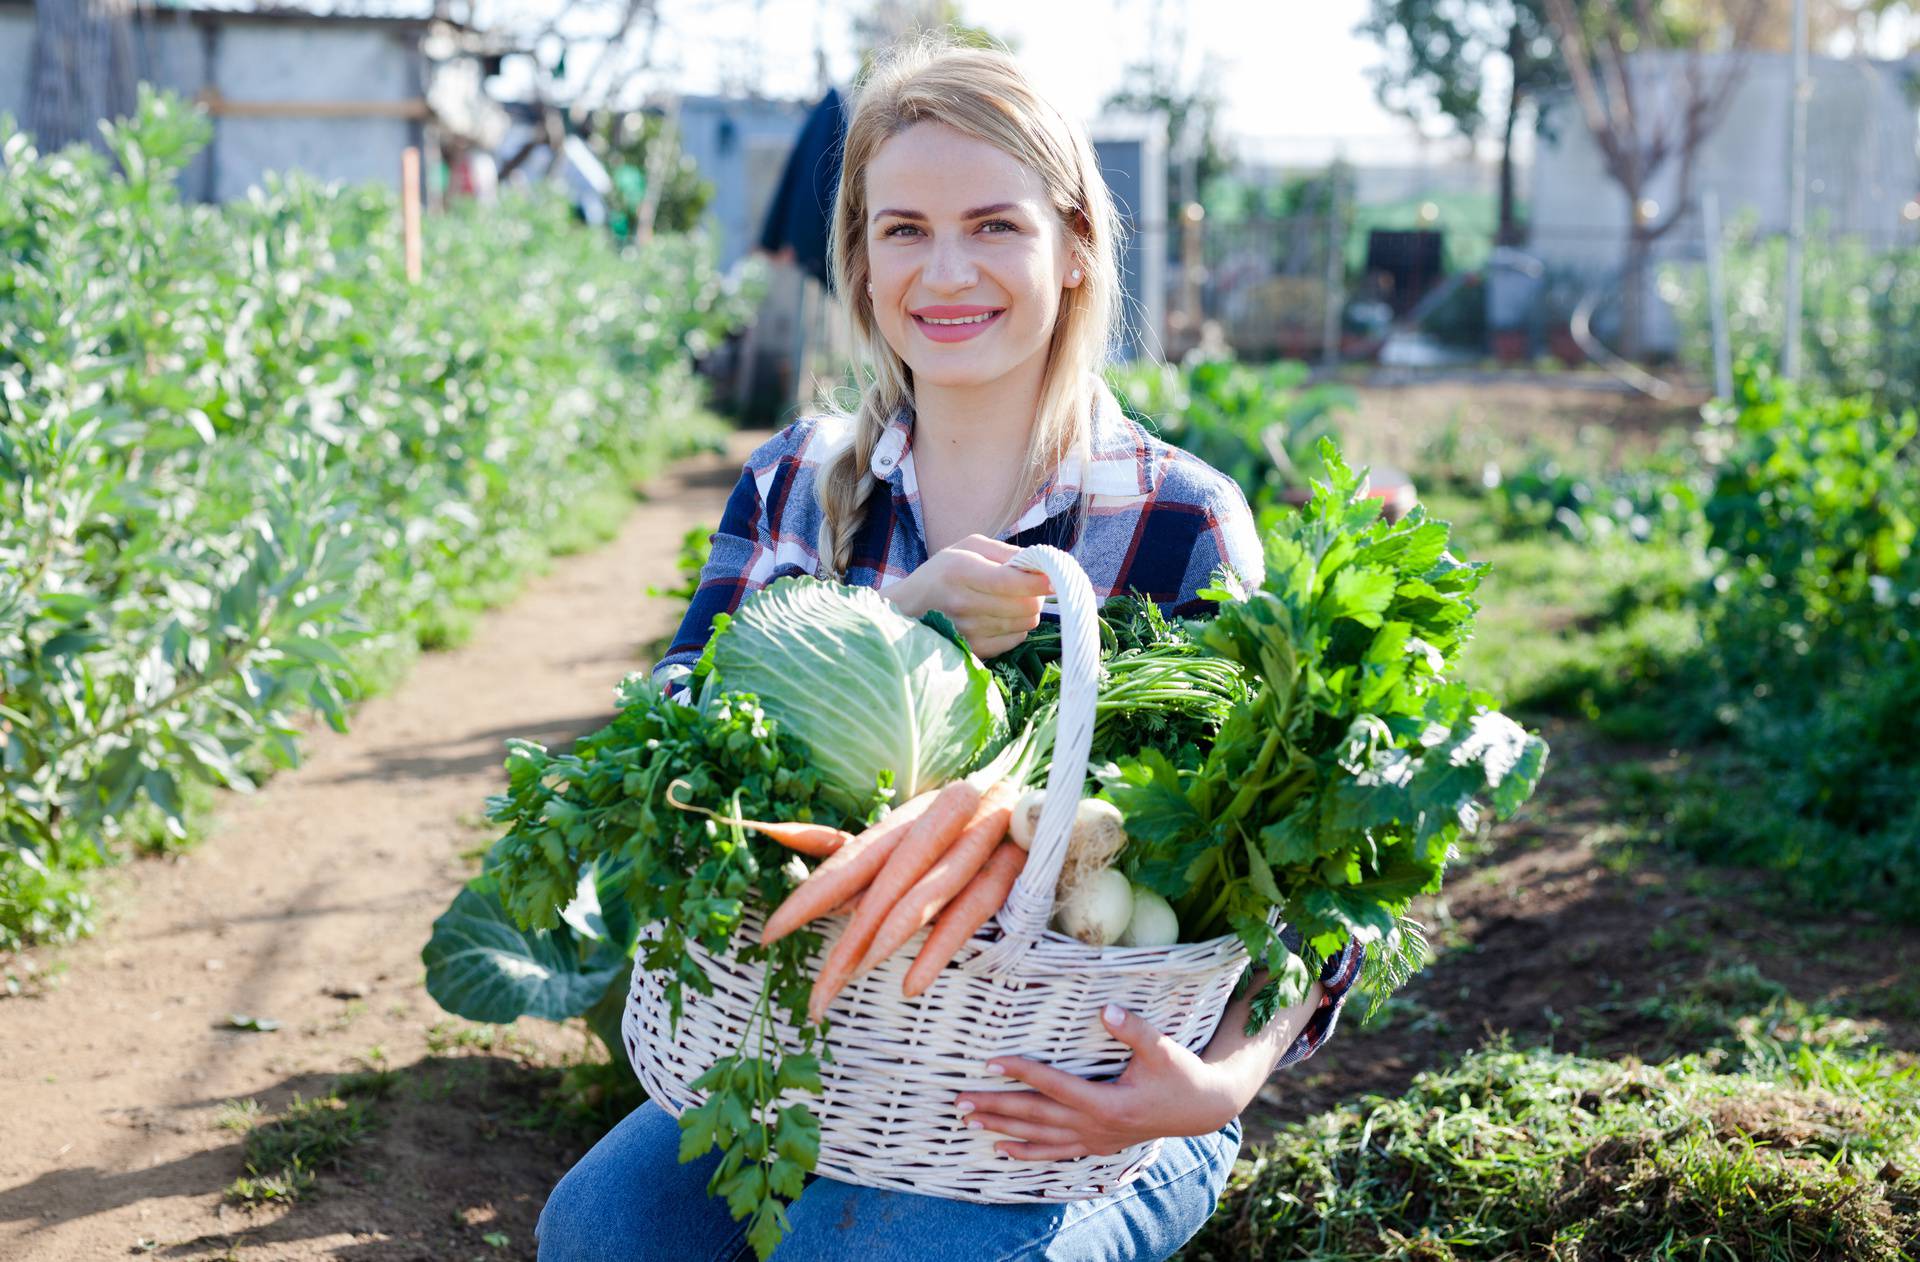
(246, 467)
(1861, 315)
(1261, 426)
(1784, 1150)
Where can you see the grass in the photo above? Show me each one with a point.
(283, 1155)
(1569, 628)
(1786, 1150)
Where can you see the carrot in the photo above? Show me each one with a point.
(847, 908)
(971, 908)
(947, 877)
(846, 871)
(814, 840)
(925, 842)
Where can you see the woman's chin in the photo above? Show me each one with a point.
(955, 372)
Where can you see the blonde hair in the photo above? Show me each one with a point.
(979, 92)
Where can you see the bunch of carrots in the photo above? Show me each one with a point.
(942, 858)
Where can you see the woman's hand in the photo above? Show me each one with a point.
(991, 603)
(1165, 1091)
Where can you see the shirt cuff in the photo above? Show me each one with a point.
(1337, 977)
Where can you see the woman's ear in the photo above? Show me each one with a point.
(1073, 276)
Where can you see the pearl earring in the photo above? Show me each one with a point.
(869, 289)
(1076, 273)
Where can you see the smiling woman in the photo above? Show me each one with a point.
(973, 242)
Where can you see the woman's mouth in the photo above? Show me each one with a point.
(955, 324)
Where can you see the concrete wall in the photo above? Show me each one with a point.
(1861, 167)
(1132, 156)
(262, 61)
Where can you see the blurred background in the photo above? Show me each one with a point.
(1408, 185)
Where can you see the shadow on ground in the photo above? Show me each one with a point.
(458, 1149)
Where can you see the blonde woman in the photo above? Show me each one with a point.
(974, 241)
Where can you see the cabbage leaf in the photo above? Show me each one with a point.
(858, 684)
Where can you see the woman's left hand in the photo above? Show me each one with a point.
(1166, 1090)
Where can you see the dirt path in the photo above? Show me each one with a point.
(309, 904)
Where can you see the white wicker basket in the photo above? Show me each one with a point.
(887, 1117)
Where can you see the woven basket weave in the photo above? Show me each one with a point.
(887, 1117)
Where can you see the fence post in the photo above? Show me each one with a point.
(1717, 296)
(1796, 194)
(410, 210)
(1335, 298)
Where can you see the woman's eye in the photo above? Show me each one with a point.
(1000, 223)
(899, 228)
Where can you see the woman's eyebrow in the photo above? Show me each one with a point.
(978, 212)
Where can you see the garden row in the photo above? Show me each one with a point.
(247, 469)
(1742, 604)
(1761, 578)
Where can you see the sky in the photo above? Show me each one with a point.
(1291, 72)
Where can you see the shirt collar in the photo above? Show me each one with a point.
(1115, 462)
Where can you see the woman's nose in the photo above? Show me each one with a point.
(949, 268)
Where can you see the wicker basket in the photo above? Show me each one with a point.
(887, 1117)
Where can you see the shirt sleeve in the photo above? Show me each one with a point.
(1228, 538)
(1337, 978)
(740, 560)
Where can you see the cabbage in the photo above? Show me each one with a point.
(861, 686)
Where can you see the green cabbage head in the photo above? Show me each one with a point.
(860, 685)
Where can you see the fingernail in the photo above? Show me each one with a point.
(993, 1067)
(1115, 1014)
(973, 1126)
(966, 1107)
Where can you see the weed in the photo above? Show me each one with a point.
(282, 1155)
(1811, 1153)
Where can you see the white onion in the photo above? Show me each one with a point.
(1099, 909)
(1026, 815)
(1153, 923)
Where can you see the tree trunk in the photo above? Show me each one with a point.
(81, 72)
(1633, 288)
(1508, 232)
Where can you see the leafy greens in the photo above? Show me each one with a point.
(1335, 794)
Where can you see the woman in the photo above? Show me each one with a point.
(975, 240)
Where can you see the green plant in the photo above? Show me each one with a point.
(1793, 1152)
(249, 477)
(1261, 426)
(283, 1155)
(1335, 794)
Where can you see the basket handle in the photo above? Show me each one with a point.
(1028, 907)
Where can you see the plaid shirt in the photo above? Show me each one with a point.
(1139, 515)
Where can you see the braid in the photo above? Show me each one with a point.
(845, 487)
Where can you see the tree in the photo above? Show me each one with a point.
(1438, 52)
(81, 72)
(1644, 115)
(884, 22)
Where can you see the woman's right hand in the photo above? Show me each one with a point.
(993, 604)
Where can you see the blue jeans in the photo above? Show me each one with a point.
(630, 1200)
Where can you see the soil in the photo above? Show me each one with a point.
(1557, 935)
(311, 900)
(308, 905)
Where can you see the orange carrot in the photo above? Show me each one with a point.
(971, 908)
(847, 908)
(814, 840)
(947, 877)
(925, 842)
(846, 871)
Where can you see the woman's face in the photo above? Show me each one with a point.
(967, 255)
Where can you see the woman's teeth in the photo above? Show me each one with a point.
(984, 315)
